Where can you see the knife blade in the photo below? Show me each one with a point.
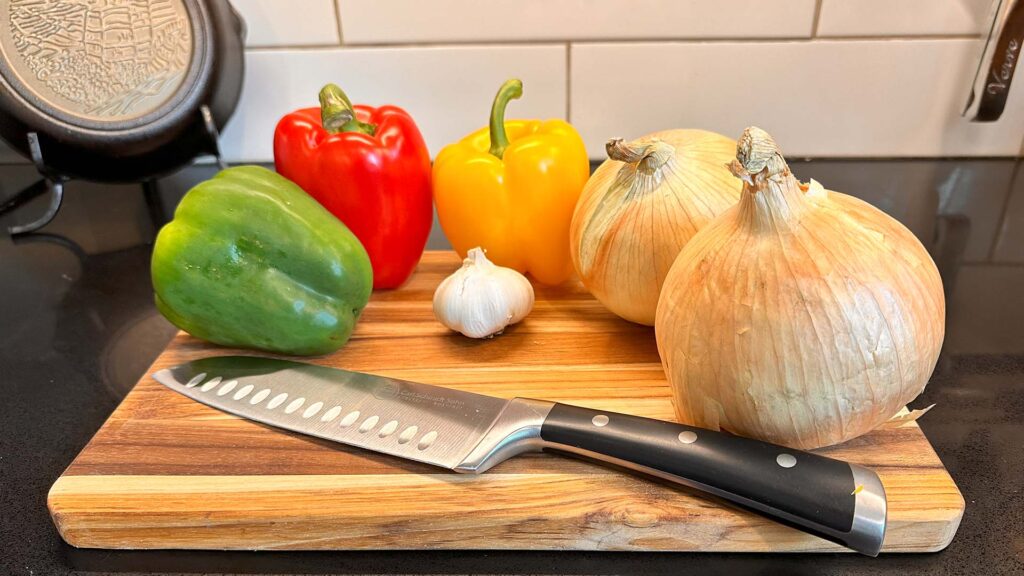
(467, 432)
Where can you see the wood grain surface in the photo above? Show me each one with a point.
(167, 472)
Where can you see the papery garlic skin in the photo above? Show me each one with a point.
(480, 299)
(640, 207)
(803, 319)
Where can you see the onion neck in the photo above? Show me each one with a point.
(649, 156)
(644, 164)
(772, 199)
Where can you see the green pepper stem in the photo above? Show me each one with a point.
(510, 90)
(338, 115)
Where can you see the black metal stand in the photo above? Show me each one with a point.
(55, 239)
(154, 204)
(52, 184)
(213, 133)
(30, 192)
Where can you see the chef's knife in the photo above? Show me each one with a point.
(467, 432)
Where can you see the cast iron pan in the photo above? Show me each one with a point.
(117, 90)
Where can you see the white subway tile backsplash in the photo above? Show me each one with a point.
(399, 21)
(289, 22)
(448, 90)
(902, 17)
(819, 98)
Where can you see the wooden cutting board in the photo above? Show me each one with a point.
(167, 472)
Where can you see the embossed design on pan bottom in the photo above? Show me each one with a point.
(98, 59)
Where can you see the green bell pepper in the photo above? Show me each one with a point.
(252, 261)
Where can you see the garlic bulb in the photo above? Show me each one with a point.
(481, 299)
(640, 207)
(800, 317)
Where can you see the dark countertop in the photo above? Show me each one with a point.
(79, 329)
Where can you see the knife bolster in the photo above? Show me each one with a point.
(514, 431)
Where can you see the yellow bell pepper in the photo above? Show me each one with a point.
(511, 189)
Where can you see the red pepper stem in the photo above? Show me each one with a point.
(338, 115)
(510, 90)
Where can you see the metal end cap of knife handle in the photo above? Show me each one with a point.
(869, 513)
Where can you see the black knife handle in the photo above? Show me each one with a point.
(841, 502)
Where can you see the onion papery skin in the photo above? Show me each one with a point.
(800, 317)
(633, 217)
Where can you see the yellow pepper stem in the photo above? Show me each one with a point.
(510, 90)
(338, 115)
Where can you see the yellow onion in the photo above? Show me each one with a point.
(640, 207)
(801, 316)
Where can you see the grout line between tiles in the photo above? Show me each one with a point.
(337, 20)
(795, 160)
(652, 41)
(817, 18)
(568, 82)
(273, 47)
(904, 38)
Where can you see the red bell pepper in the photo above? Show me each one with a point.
(371, 169)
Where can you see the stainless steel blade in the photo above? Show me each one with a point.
(420, 422)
